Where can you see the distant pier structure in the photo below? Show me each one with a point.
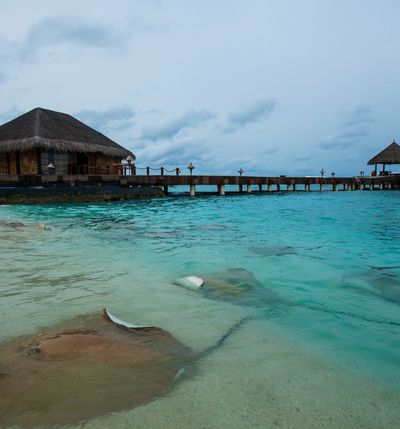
(43, 148)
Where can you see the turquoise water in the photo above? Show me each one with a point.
(327, 355)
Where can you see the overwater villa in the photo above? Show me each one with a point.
(44, 142)
(388, 156)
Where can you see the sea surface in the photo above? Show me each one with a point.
(324, 354)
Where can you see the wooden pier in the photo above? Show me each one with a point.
(241, 184)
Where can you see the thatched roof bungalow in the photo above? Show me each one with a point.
(388, 156)
(46, 142)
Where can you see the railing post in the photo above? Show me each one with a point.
(133, 170)
(177, 171)
(148, 171)
(162, 171)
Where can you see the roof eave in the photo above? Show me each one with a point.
(62, 146)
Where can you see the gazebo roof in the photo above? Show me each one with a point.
(390, 155)
(42, 128)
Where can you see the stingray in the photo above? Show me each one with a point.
(385, 282)
(240, 286)
(236, 285)
(11, 225)
(96, 365)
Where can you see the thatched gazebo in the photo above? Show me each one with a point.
(46, 142)
(388, 156)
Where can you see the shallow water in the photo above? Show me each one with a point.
(328, 357)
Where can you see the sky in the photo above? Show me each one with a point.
(270, 86)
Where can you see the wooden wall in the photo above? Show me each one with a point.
(60, 160)
(104, 164)
(35, 162)
(29, 162)
(4, 169)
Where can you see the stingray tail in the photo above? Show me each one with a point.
(234, 328)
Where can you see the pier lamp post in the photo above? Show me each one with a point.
(51, 168)
(322, 172)
(190, 168)
(129, 158)
(241, 171)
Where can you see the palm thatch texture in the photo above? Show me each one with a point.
(390, 155)
(49, 130)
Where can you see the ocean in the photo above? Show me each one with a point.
(322, 349)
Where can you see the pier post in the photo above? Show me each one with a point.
(166, 189)
(248, 189)
(278, 187)
(293, 186)
(192, 190)
(221, 189)
(259, 188)
(240, 188)
(321, 187)
(269, 187)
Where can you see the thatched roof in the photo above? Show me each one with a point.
(42, 128)
(390, 155)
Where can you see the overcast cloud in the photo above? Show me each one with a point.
(270, 86)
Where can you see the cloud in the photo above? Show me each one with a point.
(3, 76)
(190, 119)
(252, 113)
(361, 115)
(269, 151)
(52, 32)
(355, 127)
(10, 114)
(173, 153)
(118, 118)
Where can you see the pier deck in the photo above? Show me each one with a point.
(244, 183)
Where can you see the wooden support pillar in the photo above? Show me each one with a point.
(278, 187)
(294, 186)
(192, 190)
(382, 186)
(240, 188)
(248, 189)
(166, 189)
(269, 187)
(259, 188)
(334, 187)
(221, 189)
(321, 187)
